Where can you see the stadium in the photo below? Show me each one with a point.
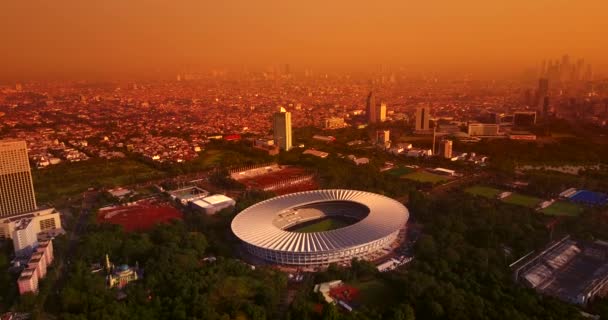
(279, 230)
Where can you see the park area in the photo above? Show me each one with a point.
(399, 171)
(562, 208)
(522, 200)
(140, 216)
(424, 177)
(483, 191)
(71, 179)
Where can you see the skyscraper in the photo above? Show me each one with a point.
(371, 108)
(281, 124)
(423, 115)
(16, 186)
(381, 113)
(542, 91)
(383, 137)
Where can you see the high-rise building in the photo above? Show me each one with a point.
(16, 186)
(381, 113)
(383, 137)
(371, 108)
(546, 106)
(423, 115)
(446, 149)
(281, 124)
(542, 91)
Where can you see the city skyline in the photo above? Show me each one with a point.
(74, 39)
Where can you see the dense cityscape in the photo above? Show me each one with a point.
(325, 190)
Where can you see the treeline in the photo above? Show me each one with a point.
(460, 269)
(177, 283)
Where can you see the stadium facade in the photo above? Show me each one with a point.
(264, 227)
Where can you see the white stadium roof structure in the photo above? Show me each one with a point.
(264, 227)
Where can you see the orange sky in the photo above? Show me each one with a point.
(87, 36)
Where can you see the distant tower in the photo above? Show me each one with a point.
(381, 115)
(281, 124)
(542, 91)
(16, 186)
(371, 108)
(383, 137)
(446, 149)
(423, 115)
(108, 264)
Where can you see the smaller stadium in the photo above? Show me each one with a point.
(278, 179)
(315, 228)
(573, 271)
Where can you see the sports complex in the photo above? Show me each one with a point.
(283, 229)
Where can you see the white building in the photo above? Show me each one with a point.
(213, 204)
(45, 221)
(25, 238)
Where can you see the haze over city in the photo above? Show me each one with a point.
(303, 160)
(89, 39)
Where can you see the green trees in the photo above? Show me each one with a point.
(177, 283)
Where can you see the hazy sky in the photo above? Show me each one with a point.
(40, 37)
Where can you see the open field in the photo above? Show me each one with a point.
(522, 200)
(400, 171)
(70, 179)
(208, 159)
(483, 191)
(141, 216)
(423, 176)
(562, 208)
(320, 225)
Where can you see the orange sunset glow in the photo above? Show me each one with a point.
(125, 36)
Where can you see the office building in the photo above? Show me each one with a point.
(383, 137)
(371, 109)
(334, 123)
(16, 186)
(28, 281)
(36, 268)
(45, 221)
(524, 119)
(423, 116)
(281, 125)
(446, 149)
(546, 107)
(542, 91)
(381, 113)
(483, 129)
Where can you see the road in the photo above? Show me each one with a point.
(88, 201)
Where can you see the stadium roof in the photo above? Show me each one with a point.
(254, 225)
